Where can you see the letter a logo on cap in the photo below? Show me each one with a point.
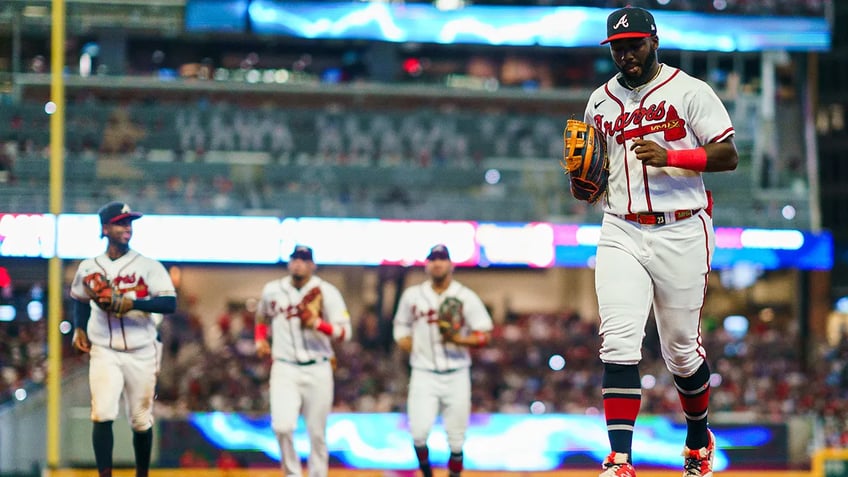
(622, 22)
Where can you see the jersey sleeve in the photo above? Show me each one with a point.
(160, 281)
(335, 310)
(476, 314)
(77, 291)
(263, 306)
(708, 116)
(402, 324)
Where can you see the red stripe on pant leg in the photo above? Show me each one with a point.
(626, 409)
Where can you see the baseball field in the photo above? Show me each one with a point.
(384, 473)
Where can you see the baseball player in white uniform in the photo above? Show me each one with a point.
(306, 314)
(122, 339)
(440, 376)
(663, 129)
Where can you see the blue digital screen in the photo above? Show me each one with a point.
(505, 442)
(216, 16)
(529, 26)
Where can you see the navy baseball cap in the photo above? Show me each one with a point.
(630, 22)
(115, 212)
(302, 252)
(439, 252)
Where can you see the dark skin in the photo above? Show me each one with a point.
(636, 59)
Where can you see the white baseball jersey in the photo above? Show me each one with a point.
(135, 276)
(417, 316)
(674, 110)
(292, 343)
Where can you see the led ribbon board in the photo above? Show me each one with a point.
(371, 241)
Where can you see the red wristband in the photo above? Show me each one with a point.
(481, 337)
(692, 159)
(260, 332)
(324, 327)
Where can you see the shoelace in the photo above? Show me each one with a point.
(693, 465)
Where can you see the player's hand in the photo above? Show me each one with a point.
(309, 321)
(120, 304)
(263, 348)
(81, 341)
(405, 344)
(650, 153)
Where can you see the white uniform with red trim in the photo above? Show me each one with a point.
(440, 377)
(124, 351)
(302, 374)
(667, 263)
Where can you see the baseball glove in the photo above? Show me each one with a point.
(98, 288)
(450, 317)
(107, 297)
(585, 160)
(309, 308)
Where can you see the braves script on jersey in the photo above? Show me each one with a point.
(417, 316)
(293, 343)
(674, 110)
(135, 276)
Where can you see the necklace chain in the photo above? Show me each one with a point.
(636, 89)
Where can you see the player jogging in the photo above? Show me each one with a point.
(437, 322)
(306, 315)
(117, 295)
(663, 129)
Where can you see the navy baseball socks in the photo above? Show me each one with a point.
(143, 446)
(699, 451)
(423, 454)
(103, 440)
(622, 395)
(694, 393)
(455, 464)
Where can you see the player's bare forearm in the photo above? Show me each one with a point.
(714, 157)
(721, 156)
(474, 340)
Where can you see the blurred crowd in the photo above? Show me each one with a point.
(760, 375)
(543, 363)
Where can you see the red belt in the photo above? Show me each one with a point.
(660, 218)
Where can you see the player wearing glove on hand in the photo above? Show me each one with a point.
(663, 129)
(115, 295)
(437, 322)
(306, 315)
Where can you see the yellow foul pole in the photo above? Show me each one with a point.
(54, 273)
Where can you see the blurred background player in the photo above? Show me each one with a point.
(663, 129)
(440, 375)
(121, 336)
(306, 314)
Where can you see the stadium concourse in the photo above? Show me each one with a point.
(406, 473)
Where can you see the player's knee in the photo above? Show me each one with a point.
(619, 351)
(419, 436)
(103, 415)
(455, 443)
(141, 423)
(684, 366)
(284, 429)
